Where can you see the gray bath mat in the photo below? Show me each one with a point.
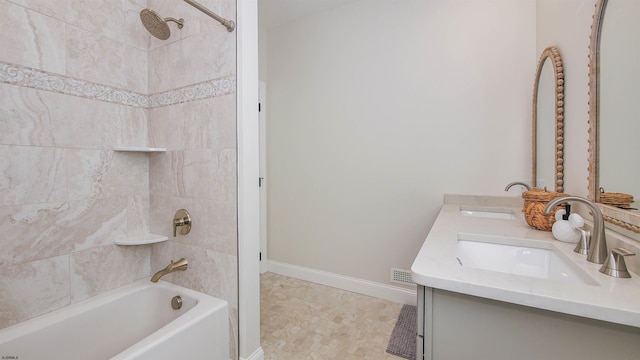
(403, 338)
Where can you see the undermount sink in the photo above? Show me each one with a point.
(519, 257)
(489, 213)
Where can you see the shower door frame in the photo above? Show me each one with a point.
(248, 163)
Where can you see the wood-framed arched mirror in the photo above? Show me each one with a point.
(548, 121)
(614, 110)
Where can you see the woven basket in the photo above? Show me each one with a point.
(534, 203)
(616, 199)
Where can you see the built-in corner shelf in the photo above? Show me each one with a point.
(139, 149)
(142, 240)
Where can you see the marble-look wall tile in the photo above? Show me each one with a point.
(116, 19)
(188, 59)
(85, 123)
(161, 179)
(32, 289)
(58, 9)
(32, 175)
(43, 118)
(106, 18)
(40, 231)
(87, 170)
(97, 174)
(135, 127)
(138, 215)
(161, 211)
(24, 117)
(167, 128)
(221, 122)
(97, 58)
(217, 166)
(97, 270)
(31, 39)
(202, 124)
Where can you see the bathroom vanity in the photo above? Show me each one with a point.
(490, 287)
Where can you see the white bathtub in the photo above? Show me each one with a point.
(132, 322)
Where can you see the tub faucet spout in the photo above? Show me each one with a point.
(597, 252)
(173, 266)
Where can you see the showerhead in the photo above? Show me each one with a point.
(157, 25)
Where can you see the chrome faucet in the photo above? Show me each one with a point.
(517, 183)
(174, 266)
(597, 252)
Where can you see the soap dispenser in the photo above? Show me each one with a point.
(565, 230)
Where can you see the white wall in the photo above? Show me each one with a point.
(378, 108)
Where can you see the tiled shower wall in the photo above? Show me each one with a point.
(78, 78)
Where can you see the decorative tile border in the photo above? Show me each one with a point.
(203, 90)
(42, 80)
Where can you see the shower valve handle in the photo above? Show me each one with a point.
(181, 220)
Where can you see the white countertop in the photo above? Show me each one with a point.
(615, 300)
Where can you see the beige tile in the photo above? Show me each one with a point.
(31, 39)
(107, 18)
(202, 124)
(32, 289)
(161, 180)
(218, 166)
(84, 123)
(24, 117)
(303, 320)
(138, 215)
(43, 118)
(40, 231)
(96, 174)
(135, 125)
(166, 127)
(58, 9)
(115, 19)
(32, 175)
(210, 123)
(187, 56)
(96, 270)
(97, 58)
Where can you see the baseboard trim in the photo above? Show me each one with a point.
(257, 355)
(360, 286)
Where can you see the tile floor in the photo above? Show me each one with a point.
(302, 320)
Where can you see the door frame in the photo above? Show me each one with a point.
(262, 96)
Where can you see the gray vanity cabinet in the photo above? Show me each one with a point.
(463, 327)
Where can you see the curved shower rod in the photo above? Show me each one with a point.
(229, 24)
